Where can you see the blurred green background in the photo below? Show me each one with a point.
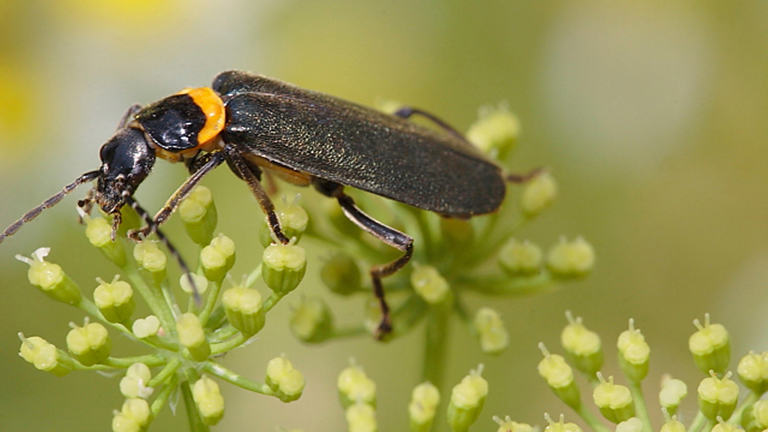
(652, 116)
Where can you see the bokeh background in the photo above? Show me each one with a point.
(652, 116)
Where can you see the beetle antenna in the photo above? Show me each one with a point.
(50, 202)
(522, 178)
(171, 248)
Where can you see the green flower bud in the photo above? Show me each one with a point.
(208, 399)
(710, 346)
(672, 393)
(50, 278)
(507, 425)
(124, 423)
(201, 283)
(571, 259)
(634, 353)
(755, 417)
(538, 194)
(150, 258)
(456, 232)
(633, 424)
(114, 300)
(312, 321)
(293, 221)
(283, 267)
(218, 258)
(520, 258)
(495, 132)
(560, 426)
(421, 411)
(192, 336)
(43, 355)
(284, 380)
(582, 345)
(99, 233)
(493, 335)
(467, 399)
(138, 410)
(725, 427)
(753, 372)
(89, 344)
(341, 274)
(198, 212)
(134, 383)
(559, 377)
(243, 307)
(146, 327)
(355, 386)
(672, 425)
(429, 284)
(718, 397)
(361, 417)
(129, 220)
(613, 400)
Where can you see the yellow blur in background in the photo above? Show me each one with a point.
(651, 115)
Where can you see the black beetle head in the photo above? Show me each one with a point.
(126, 160)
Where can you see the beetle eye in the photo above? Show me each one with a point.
(107, 151)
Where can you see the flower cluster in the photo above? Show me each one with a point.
(625, 406)
(184, 337)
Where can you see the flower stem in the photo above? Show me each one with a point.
(436, 333)
(698, 422)
(210, 302)
(167, 371)
(591, 420)
(193, 415)
(751, 398)
(124, 362)
(162, 398)
(640, 408)
(237, 379)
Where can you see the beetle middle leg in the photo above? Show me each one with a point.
(384, 233)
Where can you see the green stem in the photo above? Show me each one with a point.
(640, 409)
(162, 398)
(210, 302)
(156, 304)
(228, 345)
(90, 308)
(751, 398)
(253, 276)
(499, 284)
(436, 337)
(698, 422)
(124, 362)
(345, 332)
(591, 420)
(166, 372)
(236, 379)
(193, 415)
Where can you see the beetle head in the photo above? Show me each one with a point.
(126, 160)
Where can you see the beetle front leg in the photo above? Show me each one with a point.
(126, 118)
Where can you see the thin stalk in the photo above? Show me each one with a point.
(591, 420)
(166, 372)
(210, 302)
(237, 379)
(124, 362)
(499, 284)
(698, 422)
(436, 334)
(640, 409)
(162, 398)
(193, 415)
(751, 398)
(228, 345)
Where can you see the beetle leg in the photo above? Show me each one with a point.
(406, 112)
(241, 168)
(208, 163)
(126, 118)
(522, 178)
(382, 232)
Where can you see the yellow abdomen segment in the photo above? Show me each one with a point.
(213, 108)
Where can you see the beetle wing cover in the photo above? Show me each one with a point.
(357, 146)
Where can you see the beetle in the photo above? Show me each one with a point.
(255, 123)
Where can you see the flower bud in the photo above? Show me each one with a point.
(293, 222)
(725, 427)
(146, 327)
(198, 212)
(50, 278)
(89, 344)
(312, 321)
(582, 345)
(243, 307)
(421, 411)
(429, 284)
(538, 194)
(613, 400)
(493, 336)
(467, 399)
(138, 410)
(560, 426)
(632, 424)
(718, 397)
(355, 386)
(753, 372)
(185, 283)
(283, 267)
(507, 425)
(284, 380)
(672, 393)
(520, 258)
(361, 417)
(99, 233)
(192, 336)
(43, 355)
(495, 132)
(114, 300)
(218, 257)
(124, 423)
(634, 353)
(571, 259)
(559, 377)
(150, 258)
(134, 383)
(208, 399)
(755, 416)
(129, 220)
(710, 346)
(341, 274)
(672, 425)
